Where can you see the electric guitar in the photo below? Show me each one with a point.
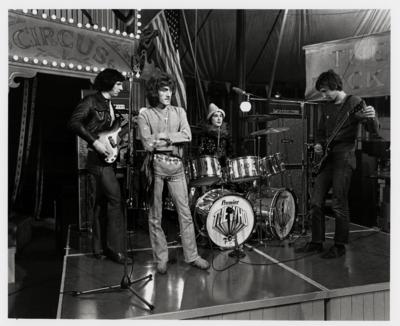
(319, 159)
(109, 139)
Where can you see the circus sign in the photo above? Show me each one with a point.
(64, 48)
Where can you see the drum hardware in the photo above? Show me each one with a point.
(269, 131)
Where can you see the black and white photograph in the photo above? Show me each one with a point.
(207, 163)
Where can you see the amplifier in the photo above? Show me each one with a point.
(285, 108)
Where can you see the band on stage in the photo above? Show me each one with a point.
(217, 194)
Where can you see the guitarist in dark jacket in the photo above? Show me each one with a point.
(335, 144)
(94, 115)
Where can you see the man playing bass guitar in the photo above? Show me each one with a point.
(95, 120)
(338, 126)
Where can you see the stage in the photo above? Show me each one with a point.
(271, 282)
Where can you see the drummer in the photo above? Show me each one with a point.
(215, 138)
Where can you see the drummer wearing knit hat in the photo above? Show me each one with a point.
(215, 139)
(212, 109)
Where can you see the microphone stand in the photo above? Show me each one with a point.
(126, 282)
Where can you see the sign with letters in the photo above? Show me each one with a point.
(363, 63)
(61, 48)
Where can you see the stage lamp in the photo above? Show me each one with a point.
(245, 106)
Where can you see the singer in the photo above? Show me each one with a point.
(215, 138)
(163, 130)
(340, 160)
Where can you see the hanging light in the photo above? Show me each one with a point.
(245, 106)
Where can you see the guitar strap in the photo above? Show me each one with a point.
(341, 110)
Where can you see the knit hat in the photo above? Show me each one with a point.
(212, 108)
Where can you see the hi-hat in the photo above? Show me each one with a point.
(269, 131)
(260, 117)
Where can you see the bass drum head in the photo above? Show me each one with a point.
(283, 212)
(203, 205)
(230, 221)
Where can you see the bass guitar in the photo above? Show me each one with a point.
(319, 159)
(109, 139)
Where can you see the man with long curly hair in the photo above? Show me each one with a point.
(163, 130)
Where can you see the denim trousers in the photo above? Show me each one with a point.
(108, 218)
(336, 174)
(173, 174)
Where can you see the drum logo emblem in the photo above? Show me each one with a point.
(229, 221)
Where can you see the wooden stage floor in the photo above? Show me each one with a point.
(270, 282)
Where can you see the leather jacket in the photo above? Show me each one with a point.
(91, 116)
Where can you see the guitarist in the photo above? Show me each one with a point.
(95, 114)
(340, 162)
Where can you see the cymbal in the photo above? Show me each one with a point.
(269, 131)
(260, 117)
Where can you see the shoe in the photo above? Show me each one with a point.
(118, 257)
(310, 247)
(334, 252)
(162, 267)
(200, 263)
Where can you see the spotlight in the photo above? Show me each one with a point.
(245, 106)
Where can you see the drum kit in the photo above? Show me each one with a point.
(228, 216)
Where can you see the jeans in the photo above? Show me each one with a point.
(173, 174)
(108, 226)
(336, 174)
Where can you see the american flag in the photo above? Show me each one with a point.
(167, 44)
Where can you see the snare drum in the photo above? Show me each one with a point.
(226, 218)
(244, 168)
(275, 207)
(272, 165)
(204, 171)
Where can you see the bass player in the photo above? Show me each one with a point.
(95, 116)
(339, 162)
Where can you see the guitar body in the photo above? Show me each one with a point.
(109, 139)
(318, 162)
(319, 159)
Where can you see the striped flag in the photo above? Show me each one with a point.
(167, 44)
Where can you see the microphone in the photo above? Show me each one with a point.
(239, 91)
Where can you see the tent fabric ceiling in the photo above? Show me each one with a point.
(215, 43)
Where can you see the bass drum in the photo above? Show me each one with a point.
(275, 207)
(226, 218)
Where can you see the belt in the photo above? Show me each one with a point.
(167, 158)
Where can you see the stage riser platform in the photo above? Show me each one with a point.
(272, 281)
